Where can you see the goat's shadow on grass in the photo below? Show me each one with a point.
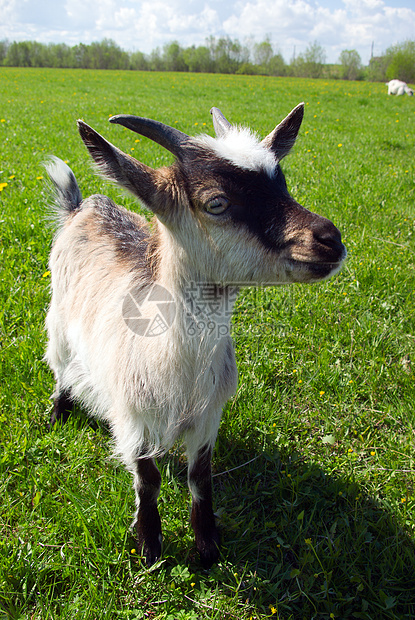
(299, 540)
(304, 542)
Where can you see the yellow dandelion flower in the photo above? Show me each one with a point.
(2, 186)
(2, 120)
(322, 392)
(300, 381)
(133, 551)
(193, 584)
(39, 178)
(12, 176)
(403, 500)
(372, 453)
(46, 274)
(350, 450)
(340, 145)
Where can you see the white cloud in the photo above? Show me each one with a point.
(300, 22)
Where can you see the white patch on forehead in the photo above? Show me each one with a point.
(242, 148)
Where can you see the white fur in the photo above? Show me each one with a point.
(397, 87)
(160, 388)
(241, 147)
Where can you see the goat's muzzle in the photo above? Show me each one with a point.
(315, 249)
(328, 241)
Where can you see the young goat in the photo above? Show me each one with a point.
(397, 87)
(139, 319)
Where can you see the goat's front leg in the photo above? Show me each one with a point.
(203, 519)
(147, 524)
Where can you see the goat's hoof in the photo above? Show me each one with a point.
(209, 551)
(149, 548)
(151, 556)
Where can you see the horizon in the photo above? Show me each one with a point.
(367, 26)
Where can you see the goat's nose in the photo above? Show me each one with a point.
(327, 235)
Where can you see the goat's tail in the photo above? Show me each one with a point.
(67, 197)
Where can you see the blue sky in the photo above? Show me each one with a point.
(145, 25)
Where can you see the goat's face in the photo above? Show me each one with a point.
(256, 231)
(226, 202)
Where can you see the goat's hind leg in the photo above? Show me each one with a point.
(203, 520)
(147, 524)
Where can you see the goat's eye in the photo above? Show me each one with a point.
(217, 205)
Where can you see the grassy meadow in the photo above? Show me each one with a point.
(315, 460)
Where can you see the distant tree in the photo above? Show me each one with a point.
(38, 53)
(351, 65)
(106, 54)
(311, 63)
(18, 54)
(248, 68)
(80, 56)
(227, 55)
(376, 71)
(400, 61)
(198, 59)
(263, 52)
(265, 61)
(139, 62)
(4, 46)
(276, 65)
(172, 57)
(156, 60)
(60, 55)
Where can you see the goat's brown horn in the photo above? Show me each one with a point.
(220, 123)
(170, 138)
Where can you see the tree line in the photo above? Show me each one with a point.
(218, 55)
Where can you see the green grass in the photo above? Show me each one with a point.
(314, 464)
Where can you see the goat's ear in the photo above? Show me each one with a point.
(283, 138)
(139, 179)
(220, 123)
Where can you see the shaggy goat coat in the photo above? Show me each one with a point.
(139, 319)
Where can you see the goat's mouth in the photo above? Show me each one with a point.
(310, 271)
